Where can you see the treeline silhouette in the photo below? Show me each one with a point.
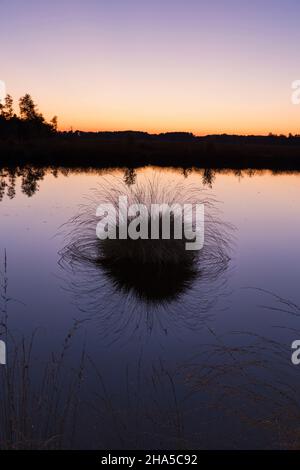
(27, 138)
(30, 123)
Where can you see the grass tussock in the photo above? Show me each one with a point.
(154, 269)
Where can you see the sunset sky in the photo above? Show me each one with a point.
(169, 65)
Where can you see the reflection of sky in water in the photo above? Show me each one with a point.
(264, 210)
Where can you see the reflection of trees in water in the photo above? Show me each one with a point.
(130, 176)
(128, 284)
(186, 172)
(208, 177)
(30, 181)
(30, 178)
(11, 189)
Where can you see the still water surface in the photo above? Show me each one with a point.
(93, 365)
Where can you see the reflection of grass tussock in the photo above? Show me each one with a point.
(131, 282)
(134, 264)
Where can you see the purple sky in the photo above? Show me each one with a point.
(204, 66)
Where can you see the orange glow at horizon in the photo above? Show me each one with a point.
(199, 67)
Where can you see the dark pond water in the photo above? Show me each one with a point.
(98, 358)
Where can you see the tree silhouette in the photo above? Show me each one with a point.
(28, 109)
(6, 109)
(54, 123)
(29, 124)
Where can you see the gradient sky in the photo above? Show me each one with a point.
(202, 66)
